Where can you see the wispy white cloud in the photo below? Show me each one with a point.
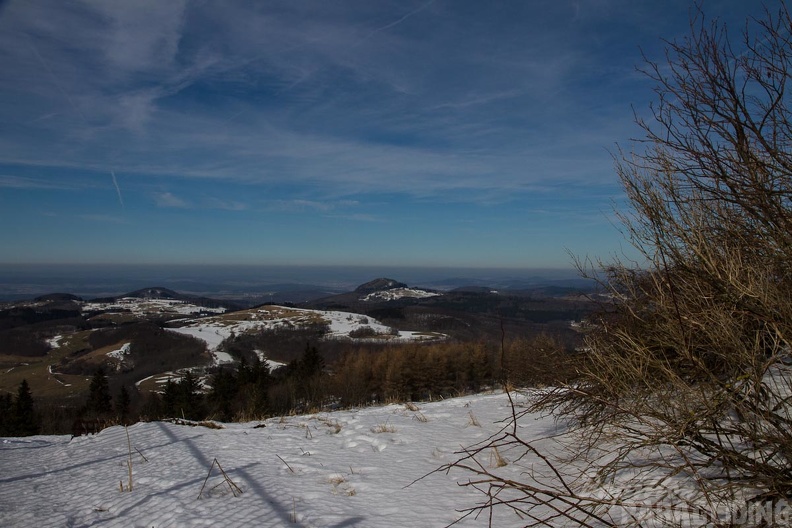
(169, 200)
(225, 205)
(19, 182)
(480, 99)
(360, 217)
(128, 63)
(299, 205)
(440, 98)
(103, 219)
(401, 117)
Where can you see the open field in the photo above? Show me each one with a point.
(38, 370)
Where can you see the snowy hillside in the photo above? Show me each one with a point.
(339, 469)
(341, 325)
(398, 293)
(147, 306)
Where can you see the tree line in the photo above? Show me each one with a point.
(248, 390)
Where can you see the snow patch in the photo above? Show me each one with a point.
(119, 354)
(399, 293)
(271, 365)
(150, 306)
(323, 470)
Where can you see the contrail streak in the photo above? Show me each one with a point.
(118, 189)
(395, 22)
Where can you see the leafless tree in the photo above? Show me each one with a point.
(684, 405)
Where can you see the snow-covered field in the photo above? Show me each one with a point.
(339, 469)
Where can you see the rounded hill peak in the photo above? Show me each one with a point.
(57, 297)
(381, 284)
(153, 293)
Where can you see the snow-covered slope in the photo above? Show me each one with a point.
(146, 306)
(398, 293)
(340, 469)
(214, 330)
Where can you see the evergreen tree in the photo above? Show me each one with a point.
(99, 394)
(190, 400)
(26, 421)
(244, 373)
(311, 364)
(122, 404)
(308, 375)
(224, 392)
(262, 380)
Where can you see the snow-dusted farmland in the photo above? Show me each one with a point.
(139, 306)
(330, 469)
(399, 293)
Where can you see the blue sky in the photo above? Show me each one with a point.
(411, 133)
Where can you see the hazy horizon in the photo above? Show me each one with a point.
(29, 280)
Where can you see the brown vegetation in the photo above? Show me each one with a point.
(687, 385)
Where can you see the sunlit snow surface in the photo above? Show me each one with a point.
(335, 471)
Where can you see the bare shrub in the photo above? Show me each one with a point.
(363, 331)
(683, 407)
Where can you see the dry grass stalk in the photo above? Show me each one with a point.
(334, 425)
(496, 460)
(226, 480)
(129, 460)
(287, 464)
(383, 428)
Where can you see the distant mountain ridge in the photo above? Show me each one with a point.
(158, 292)
(155, 292)
(57, 297)
(381, 284)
